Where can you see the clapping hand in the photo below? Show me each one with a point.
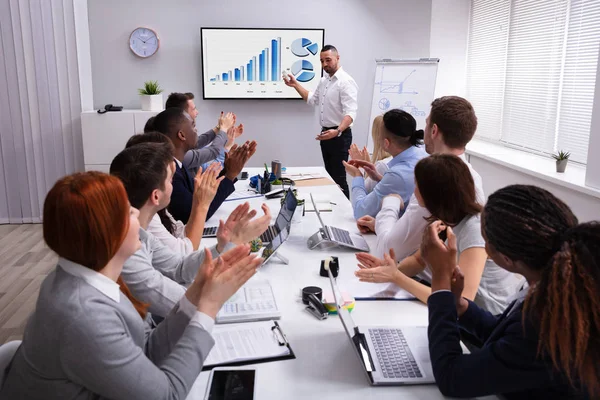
(376, 270)
(358, 154)
(218, 280)
(440, 257)
(366, 224)
(369, 168)
(351, 169)
(226, 121)
(240, 228)
(206, 184)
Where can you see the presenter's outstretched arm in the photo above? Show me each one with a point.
(291, 81)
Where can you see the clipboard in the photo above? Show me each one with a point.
(265, 328)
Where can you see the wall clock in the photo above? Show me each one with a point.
(144, 42)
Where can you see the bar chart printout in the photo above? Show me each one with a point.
(249, 63)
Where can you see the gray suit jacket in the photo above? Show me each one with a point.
(155, 273)
(81, 344)
(203, 153)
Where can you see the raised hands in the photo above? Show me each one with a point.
(358, 154)
(366, 224)
(369, 168)
(373, 269)
(226, 121)
(237, 157)
(240, 226)
(206, 184)
(218, 280)
(440, 257)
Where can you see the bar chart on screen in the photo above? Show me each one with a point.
(249, 63)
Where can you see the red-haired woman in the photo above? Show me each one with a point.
(86, 338)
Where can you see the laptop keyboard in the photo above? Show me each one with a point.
(269, 234)
(341, 235)
(394, 355)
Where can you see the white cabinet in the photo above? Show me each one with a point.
(105, 135)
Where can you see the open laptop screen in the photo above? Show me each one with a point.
(317, 212)
(287, 211)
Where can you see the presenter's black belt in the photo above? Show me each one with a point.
(326, 128)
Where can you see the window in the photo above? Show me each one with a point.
(531, 72)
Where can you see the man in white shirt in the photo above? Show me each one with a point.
(450, 125)
(337, 98)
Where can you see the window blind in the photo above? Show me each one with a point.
(532, 70)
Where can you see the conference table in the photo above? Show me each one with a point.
(325, 366)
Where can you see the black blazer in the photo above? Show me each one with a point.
(183, 194)
(507, 363)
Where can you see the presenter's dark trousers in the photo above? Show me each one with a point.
(334, 152)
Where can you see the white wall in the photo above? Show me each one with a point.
(449, 37)
(361, 30)
(496, 176)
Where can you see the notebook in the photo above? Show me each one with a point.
(254, 301)
(248, 343)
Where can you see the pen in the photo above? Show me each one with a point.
(331, 202)
(266, 169)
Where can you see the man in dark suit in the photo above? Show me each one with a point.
(177, 126)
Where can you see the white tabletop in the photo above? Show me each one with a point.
(326, 366)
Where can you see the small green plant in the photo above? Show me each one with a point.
(150, 88)
(561, 155)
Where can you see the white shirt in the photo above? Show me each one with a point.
(404, 234)
(111, 289)
(177, 241)
(337, 96)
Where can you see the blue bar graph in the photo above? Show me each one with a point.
(274, 60)
(266, 68)
(262, 68)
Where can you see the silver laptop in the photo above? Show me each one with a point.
(389, 355)
(336, 235)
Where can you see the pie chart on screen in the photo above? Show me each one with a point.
(304, 47)
(303, 71)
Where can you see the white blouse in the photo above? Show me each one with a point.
(177, 242)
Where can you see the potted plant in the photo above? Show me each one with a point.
(562, 158)
(151, 97)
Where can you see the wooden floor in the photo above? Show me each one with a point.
(24, 263)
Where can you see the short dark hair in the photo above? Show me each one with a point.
(401, 125)
(169, 121)
(149, 137)
(447, 188)
(179, 100)
(189, 95)
(149, 127)
(142, 168)
(328, 47)
(455, 117)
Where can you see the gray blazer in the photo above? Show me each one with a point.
(81, 344)
(203, 153)
(155, 273)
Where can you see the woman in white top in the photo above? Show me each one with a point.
(380, 157)
(444, 186)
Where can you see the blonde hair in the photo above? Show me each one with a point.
(377, 134)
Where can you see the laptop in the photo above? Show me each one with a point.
(339, 236)
(283, 219)
(389, 355)
(270, 249)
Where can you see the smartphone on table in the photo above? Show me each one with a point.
(231, 384)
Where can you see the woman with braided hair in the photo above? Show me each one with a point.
(546, 345)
